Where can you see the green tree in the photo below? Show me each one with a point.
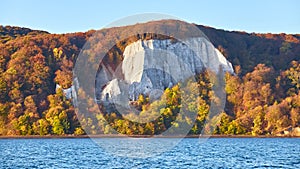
(257, 129)
(79, 131)
(41, 127)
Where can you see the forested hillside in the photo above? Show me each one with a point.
(262, 97)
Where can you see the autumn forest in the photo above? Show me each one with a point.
(262, 97)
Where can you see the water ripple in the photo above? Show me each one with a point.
(215, 153)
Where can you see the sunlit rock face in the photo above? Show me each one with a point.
(150, 66)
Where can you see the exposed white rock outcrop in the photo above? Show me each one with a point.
(149, 66)
(68, 92)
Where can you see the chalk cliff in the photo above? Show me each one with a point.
(150, 66)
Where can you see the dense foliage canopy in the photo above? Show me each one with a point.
(262, 97)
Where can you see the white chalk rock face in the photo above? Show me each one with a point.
(150, 66)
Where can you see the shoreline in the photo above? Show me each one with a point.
(137, 136)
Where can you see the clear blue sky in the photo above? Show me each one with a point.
(62, 16)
